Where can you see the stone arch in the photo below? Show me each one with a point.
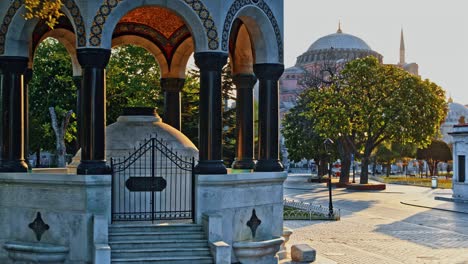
(147, 45)
(180, 59)
(261, 23)
(67, 39)
(242, 54)
(18, 35)
(195, 14)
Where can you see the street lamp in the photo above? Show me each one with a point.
(327, 145)
(354, 167)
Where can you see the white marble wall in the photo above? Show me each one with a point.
(67, 204)
(232, 197)
(460, 147)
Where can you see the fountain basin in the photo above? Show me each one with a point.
(283, 253)
(258, 252)
(26, 252)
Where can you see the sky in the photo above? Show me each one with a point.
(435, 31)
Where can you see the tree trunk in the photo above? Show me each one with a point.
(60, 135)
(345, 155)
(38, 158)
(389, 168)
(364, 170)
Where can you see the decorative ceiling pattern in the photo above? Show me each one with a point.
(167, 45)
(197, 6)
(160, 19)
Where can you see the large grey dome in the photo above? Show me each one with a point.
(339, 41)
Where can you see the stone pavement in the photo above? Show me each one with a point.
(403, 224)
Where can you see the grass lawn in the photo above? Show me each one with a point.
(416, 181)
(291, 213)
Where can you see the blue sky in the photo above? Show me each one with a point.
(436, 33)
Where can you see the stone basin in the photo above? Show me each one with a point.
(258, 251)
(27, 252)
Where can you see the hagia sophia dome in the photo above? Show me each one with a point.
(336, 46)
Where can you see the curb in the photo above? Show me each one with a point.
(435, 208)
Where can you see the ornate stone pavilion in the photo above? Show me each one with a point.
(250, 32)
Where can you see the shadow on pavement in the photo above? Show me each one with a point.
(432, 228)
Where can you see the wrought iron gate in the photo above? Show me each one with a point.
(153, 183)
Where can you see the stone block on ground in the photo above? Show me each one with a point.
(303, 253)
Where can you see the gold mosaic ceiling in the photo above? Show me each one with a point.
(161, 19)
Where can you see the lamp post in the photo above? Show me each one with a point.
(327, 145)
(354, 167)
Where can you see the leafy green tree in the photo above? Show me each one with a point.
(190, 106)
(301, 139)
(436, 152)
(132, 80)
(388, 153)
(371, 103)
(51, 86)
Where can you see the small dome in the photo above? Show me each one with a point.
(455, 110)
(339, 41)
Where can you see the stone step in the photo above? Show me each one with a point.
(161, 252)
(127, 236)
(168, 260)
(154, 228)
(143, 244)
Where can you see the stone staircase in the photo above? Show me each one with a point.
(148, 243)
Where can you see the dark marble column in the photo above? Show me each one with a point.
(77, 80)
(93, 111)
(172, 101)
(268, 75)
(210, 124)
(12, 113)
(27, 78)
(244, 121)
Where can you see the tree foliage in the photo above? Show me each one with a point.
(370, 103)
(49, 10)
(51, 86)
(434, 153)
(132, 79)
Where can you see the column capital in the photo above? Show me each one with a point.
(210, 61)
(14, 64)
(268, 71)
(93, 58)
(244, 80)
(172, 84)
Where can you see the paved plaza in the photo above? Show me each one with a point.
(403, 224)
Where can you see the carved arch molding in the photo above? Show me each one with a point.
(108, 5)
(68, 4)
(238, 5)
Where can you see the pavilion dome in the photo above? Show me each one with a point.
(339, 40)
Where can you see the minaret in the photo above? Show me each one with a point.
(339, 27)
(402, 49)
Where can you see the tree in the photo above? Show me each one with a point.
(436, 152)
(132, 80)
(301, 139)
(60, 132)
(49, 10)
(51, 85)
(371, 103)
(389, 152)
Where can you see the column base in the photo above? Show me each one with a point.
(13, 166)
(210, 167)
(268, 165)
(243, 164)
(95, 167)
